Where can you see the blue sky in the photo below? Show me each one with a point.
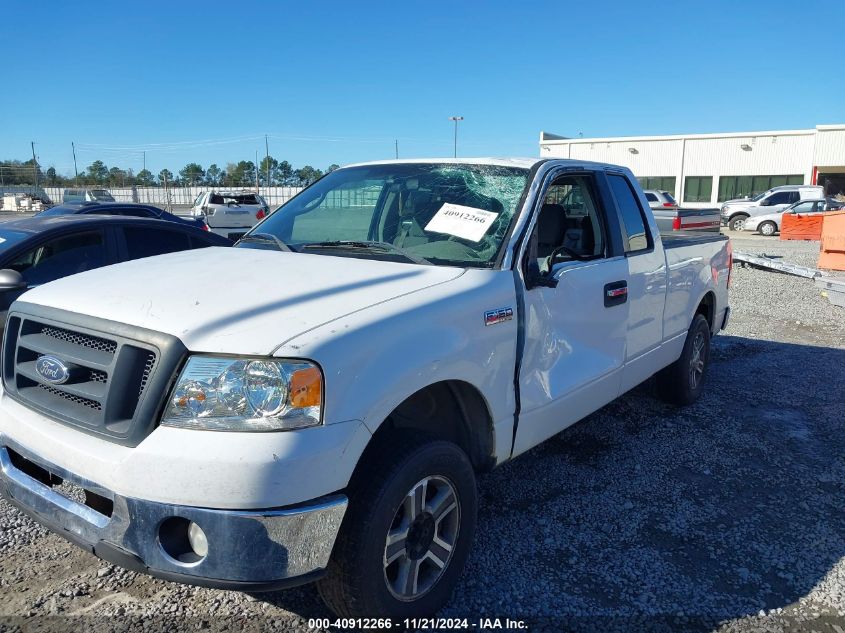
(337, 82)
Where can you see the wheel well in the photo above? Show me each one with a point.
(707, 308)
(739, 214)
(451, 410)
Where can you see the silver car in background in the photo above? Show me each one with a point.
(770, 223)
(735, 212)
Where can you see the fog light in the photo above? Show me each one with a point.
(197, 540)
(182, 540)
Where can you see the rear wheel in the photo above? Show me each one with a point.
(407, 534)
(767, 228)
(682, 381)
(737, 223)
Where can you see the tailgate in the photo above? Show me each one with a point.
(234, 216)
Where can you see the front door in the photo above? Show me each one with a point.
(575, 332)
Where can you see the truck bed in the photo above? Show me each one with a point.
(677, 239)
(707, 220)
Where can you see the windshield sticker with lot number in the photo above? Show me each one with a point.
(468, 223)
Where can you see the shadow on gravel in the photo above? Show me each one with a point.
(648, 516)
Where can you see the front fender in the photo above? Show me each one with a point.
(376, 358)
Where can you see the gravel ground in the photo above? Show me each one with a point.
(726, 515)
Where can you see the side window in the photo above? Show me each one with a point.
(61, 257)
(794, 196)
(146, 242)
(650, 197)
(569, 226)
(198, 242)
(636, 236)
(804, 207)
(779, 197)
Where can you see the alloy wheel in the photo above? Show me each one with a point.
(421, 538)
(696, 365)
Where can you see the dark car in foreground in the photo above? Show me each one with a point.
(37, 250)
(125, 209)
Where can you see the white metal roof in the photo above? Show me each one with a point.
(547, 138)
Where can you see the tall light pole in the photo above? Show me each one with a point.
(75, 170)
(456, 119)
(267, 153)
(34, 164)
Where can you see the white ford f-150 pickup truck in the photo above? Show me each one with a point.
(315, 404)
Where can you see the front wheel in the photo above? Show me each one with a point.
(407, 533)
(767, 228)
(737, 223)
(682, 382)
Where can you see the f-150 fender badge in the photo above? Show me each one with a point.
(492, 317)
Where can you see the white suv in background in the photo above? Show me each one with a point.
(230, 213)
(736, 212)
(658, 199)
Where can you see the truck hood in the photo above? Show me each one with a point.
(236, 300)
(738, 203)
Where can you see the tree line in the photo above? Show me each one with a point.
(271, 172)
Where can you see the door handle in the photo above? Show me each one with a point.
(615, 293)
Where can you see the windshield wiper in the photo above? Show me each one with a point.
(371, 245)
(266, 238)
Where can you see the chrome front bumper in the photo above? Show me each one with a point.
(254, 550)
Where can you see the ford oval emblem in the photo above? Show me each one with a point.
(52, 369)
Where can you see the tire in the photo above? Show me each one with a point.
(767, 228)
(682, 382)
(737, 222)
(384, 498)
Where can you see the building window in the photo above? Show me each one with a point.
(658, 183)
(698, 188)
(731, 187)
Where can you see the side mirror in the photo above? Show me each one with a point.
(11, 280)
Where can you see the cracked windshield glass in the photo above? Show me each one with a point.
(441, 214)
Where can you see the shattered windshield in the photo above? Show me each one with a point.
(446, 214)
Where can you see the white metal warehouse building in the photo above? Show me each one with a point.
(702, 170)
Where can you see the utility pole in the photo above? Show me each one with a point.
(145, 161)
(456, 119)
(34, 163)
(75, 170)
(267, 159)
(167, 194)
(256, 171)
(397, 148)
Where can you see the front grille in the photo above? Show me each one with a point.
(148, 369)
(85, 402)
(108, 384)
(83, 340)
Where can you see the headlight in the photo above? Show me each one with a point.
(242, 394)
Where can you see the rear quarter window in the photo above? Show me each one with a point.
(637, 237)
(146, 242)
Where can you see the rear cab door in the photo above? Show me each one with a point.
(647, 278)
(575, 323)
